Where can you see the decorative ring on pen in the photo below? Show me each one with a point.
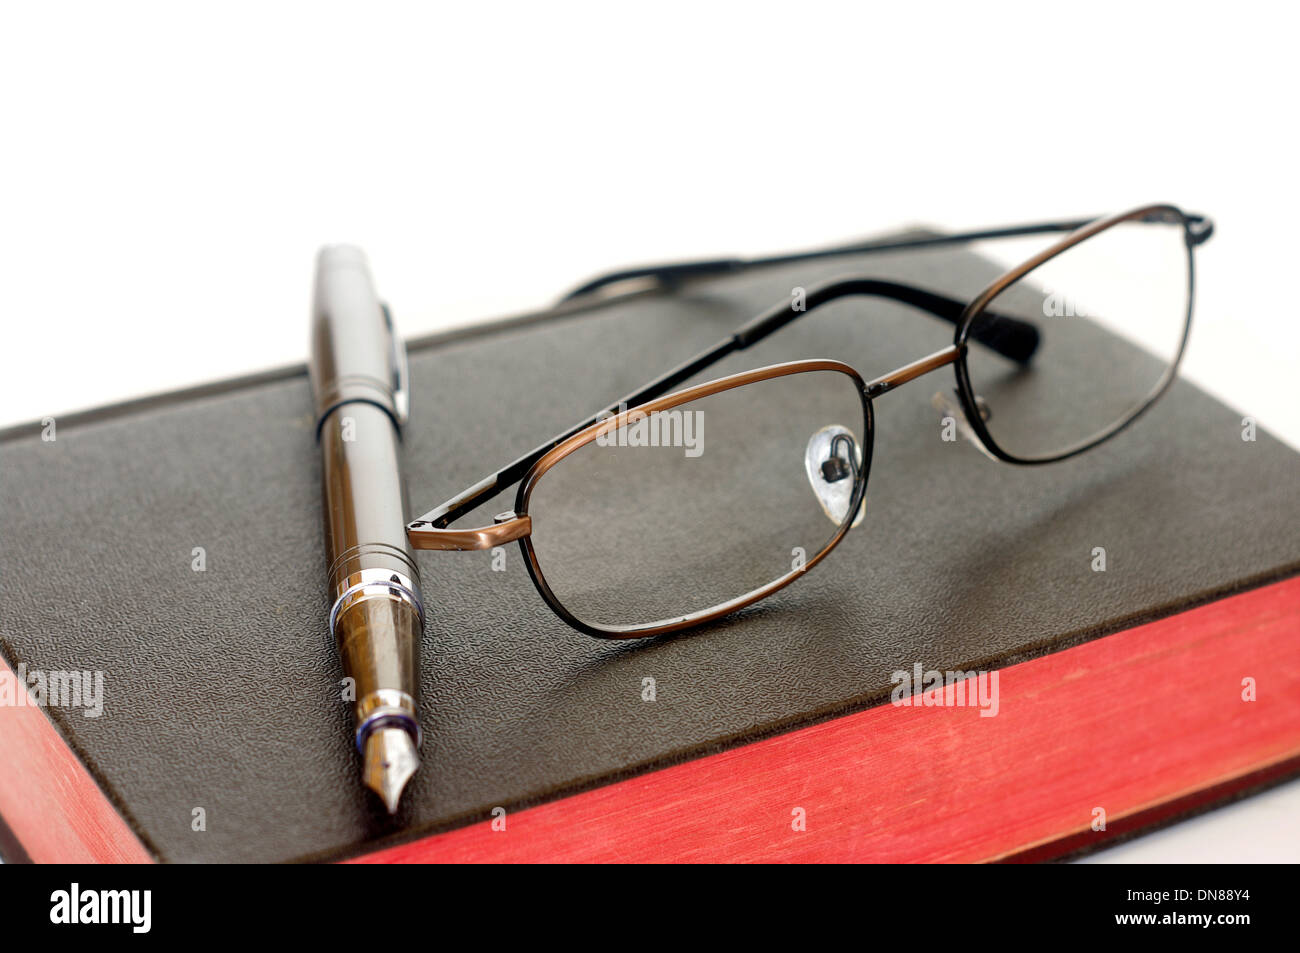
(383, 708)
(370, 580)
(380, 561)
(396, 719)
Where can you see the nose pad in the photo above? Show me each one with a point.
(832, 461)
(950, 408)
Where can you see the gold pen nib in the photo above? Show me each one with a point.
(391, 759)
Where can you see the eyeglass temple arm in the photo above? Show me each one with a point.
(1014, 339)
(670, 274)
(1017, 341)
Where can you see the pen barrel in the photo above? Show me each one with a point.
(365, 496)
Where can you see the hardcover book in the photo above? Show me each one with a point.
(999, 663)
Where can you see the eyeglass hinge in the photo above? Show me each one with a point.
(1199, 229)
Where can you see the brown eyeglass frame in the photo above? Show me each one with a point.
(1015, 339)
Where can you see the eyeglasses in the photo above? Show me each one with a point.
(668, 510)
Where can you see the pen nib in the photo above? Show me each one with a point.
(391, 759)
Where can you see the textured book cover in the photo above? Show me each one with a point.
(132, 541)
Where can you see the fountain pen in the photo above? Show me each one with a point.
(359, 386)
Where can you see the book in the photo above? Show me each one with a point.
(132, 541)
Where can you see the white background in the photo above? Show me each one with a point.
(167, 171)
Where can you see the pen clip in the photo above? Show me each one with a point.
(400, 368)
